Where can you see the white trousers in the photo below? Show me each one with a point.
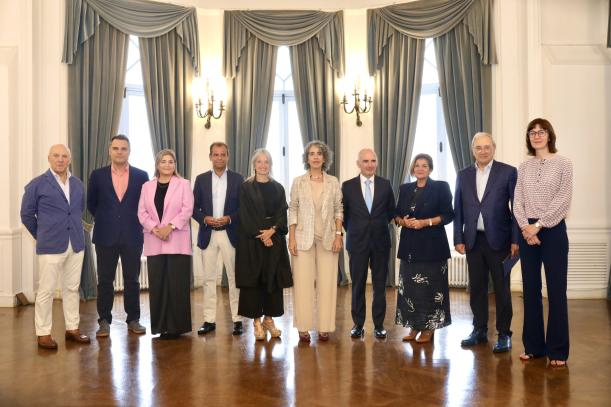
(219, 242)
(65, 267)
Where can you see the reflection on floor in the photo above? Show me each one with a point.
(220, 369)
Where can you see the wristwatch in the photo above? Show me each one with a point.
(172, 226)
(338, 233)
(538, 225)
(430, 222)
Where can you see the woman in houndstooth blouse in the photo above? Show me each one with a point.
(542, 200)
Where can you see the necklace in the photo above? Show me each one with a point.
(315, 177)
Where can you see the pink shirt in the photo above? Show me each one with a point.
(120, 179)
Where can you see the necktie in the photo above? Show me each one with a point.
(368, 196)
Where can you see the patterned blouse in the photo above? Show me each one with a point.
(543, 190)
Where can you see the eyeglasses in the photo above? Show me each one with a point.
(534, 133)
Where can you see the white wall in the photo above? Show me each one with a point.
(552, 63)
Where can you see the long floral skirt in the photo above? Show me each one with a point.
(423, 299)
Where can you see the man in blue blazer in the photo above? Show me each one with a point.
(112, 198)
(51, 210)
(369, 206)
(217, 194)
(484, 229)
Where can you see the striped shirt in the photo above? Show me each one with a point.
(543, 190)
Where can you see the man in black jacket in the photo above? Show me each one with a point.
(369, 206)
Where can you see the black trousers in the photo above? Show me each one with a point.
(257, 301)
(553, 253)
(107, 259)
(170, 293)
(483, 261)
(359, 263)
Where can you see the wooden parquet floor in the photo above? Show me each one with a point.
(222, 370)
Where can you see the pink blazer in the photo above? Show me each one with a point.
(177, 210)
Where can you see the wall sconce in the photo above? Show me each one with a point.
(359, 105)
(211, 109)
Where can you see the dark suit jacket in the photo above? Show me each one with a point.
(202, 193)
(50, 219)
(364, 229)
(428, 243)
(500, 228)
(116, 222)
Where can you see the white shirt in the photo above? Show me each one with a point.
(65, 187)
(364, 186)
(481, 179)
(219, 192)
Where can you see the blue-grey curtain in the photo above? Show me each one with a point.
(465, 86)
(95, 35)
(167, 73)
(250, 103)
(317, 106)
(245, 32)
(96, 79)
(142, 18)
(395, 38)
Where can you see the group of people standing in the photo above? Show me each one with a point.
(498, 213)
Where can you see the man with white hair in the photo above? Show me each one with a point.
(485, 231)
(51, 210)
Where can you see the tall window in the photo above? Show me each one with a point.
(431, 137)
(134, 120)
(284, 137)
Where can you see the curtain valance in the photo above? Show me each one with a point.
(279, 27)
(142, 18)
(429, 19)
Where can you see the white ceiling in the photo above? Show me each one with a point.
(284, 4)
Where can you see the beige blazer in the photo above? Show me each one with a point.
(302, 211)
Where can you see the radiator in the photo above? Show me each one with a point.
(144, 276)
(458, 275)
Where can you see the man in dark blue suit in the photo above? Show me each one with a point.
(484, 229)
(217, 194)
(369, 206)
(51, 210)
(112, 198)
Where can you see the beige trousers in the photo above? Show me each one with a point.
(315, 287)
(219, 242)
(66, 267)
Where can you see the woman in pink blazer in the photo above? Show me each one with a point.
(164, 210)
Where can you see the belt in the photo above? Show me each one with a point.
(219, 228)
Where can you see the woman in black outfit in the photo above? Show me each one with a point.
(424, 207)
(262, 263)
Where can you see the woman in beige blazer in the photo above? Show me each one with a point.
(315, 239)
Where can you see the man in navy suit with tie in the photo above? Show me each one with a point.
(369, 206)
(217, 195)
(51, 210)
(484, 230)
(112, 198)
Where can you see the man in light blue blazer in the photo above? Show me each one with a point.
(51, 210)
(484, 230)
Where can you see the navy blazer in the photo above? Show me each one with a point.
(500, 228)
(429, 243)
(50, 219)
(364, 229)
(116, 222)
(202, 192)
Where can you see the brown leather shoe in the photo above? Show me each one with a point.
(77, 336)
(411, 336)
(47, 342)
(425, 336)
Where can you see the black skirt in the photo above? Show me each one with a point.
(257, 301)
(423, 297)
(170, 293)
